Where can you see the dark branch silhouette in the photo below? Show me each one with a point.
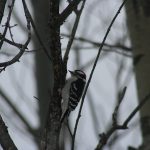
(68, 10)
(2, 7)
(71, 39)
(15, 59)
(5, 139)
(92, 71)
(104, 137)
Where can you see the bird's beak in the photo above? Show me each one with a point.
(71, 72)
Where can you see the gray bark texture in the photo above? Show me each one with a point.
(138, 21)
(50, 138)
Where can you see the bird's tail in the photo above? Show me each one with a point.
(64, 115)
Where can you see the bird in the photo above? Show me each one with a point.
(72, 92)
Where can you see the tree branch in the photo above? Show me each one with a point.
(115, 114)
(2, 7)
(104, 137)
(92, 71)
(8, 20)
(5, 139)
(24, 46)
(97, 44)
(68, 10)
(36, 32)
(71, 39)
(18, 45)
(15, 110)
(126, 122)
(50, 138)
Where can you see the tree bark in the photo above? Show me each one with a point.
(50, 140)
(138, 21)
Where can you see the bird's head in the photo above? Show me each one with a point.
(79, 74)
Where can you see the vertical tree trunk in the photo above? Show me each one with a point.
(138, 20)
(43, 65)
(52, 129)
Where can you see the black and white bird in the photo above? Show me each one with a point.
(72, 92)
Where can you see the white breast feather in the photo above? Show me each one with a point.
(65, 93)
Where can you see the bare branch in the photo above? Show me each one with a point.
(15, 110)
(72, 36)
(24, 46)
(68, 10)
(2, 7)
(105, 136)
(8, 20)
(121, 96)
(5, 139)
(97, 44)
(36, 31)
(10, 32)
(18, 45)
(126, 122)
(92, 71)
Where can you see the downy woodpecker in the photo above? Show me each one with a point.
(72, 92)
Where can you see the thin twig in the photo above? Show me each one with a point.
(24, 46)
(18, 45)
(126, 122)
(71, 39)
(105, 136)
(67, 124)
(92, 71)
(121, 96)
(36, 32)
(97, 44)
(15, 110)
(8, 20)
(10, 32)
(90, 62)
